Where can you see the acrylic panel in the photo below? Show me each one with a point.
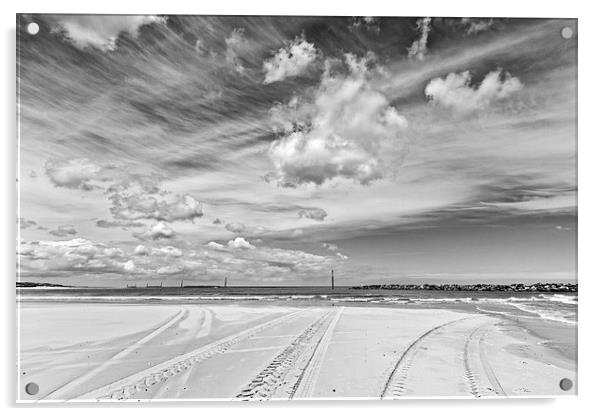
(284, 207)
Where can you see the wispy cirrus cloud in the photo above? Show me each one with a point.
(101, 31)
(474, 26)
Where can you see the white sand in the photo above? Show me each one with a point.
(227, 351)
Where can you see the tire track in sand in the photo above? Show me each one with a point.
(395, 386)
(271, 378)
(123, 389)
(68, 387)
(305, 385)
(473, 378)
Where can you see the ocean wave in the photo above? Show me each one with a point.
(557, 316)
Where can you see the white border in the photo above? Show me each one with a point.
(590, 208)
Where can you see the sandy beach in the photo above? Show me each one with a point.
(257, 351)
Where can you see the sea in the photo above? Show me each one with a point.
(555, 307)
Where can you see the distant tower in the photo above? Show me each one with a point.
(225, 282)
(181, 284)
(332, 279)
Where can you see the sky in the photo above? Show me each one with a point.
(270, 150)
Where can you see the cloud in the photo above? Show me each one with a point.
(240, 243)
(560, 202)
(169, 251)
(170, 269)
(340, 132)
(101, 31)
(135, 201)
(73, 173)
(141, 250)
(133, 198)
(118, 224)
(158, 231)
(63, 231)
(236, 227)
(79, 256)
(216, 246)
(129, 266)
(456, 93)
(331, 247)
(475, 26)
(297, 233)
(418, 49)
(368, 22)
(23, 223)
(235, 44)
(76, 255)
(290, 61)
(317, 214)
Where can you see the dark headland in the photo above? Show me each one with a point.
(480, 287)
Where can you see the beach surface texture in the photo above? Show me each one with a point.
(258, 350)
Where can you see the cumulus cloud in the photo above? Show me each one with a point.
(157, 231)
(456, 93)
(331, 247)
(129, 266)
(141, 250)
(133, 198)
(135, 202)
(419, 47)
(63, 231)
(170, 269)
(169, 251)
(290, 61)
(317, 214)
(216, 246)
(236, 227)
(73, 173)
(240, 243)
(100, 31)
(80, 256)
(344, 128)
(76, 255)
